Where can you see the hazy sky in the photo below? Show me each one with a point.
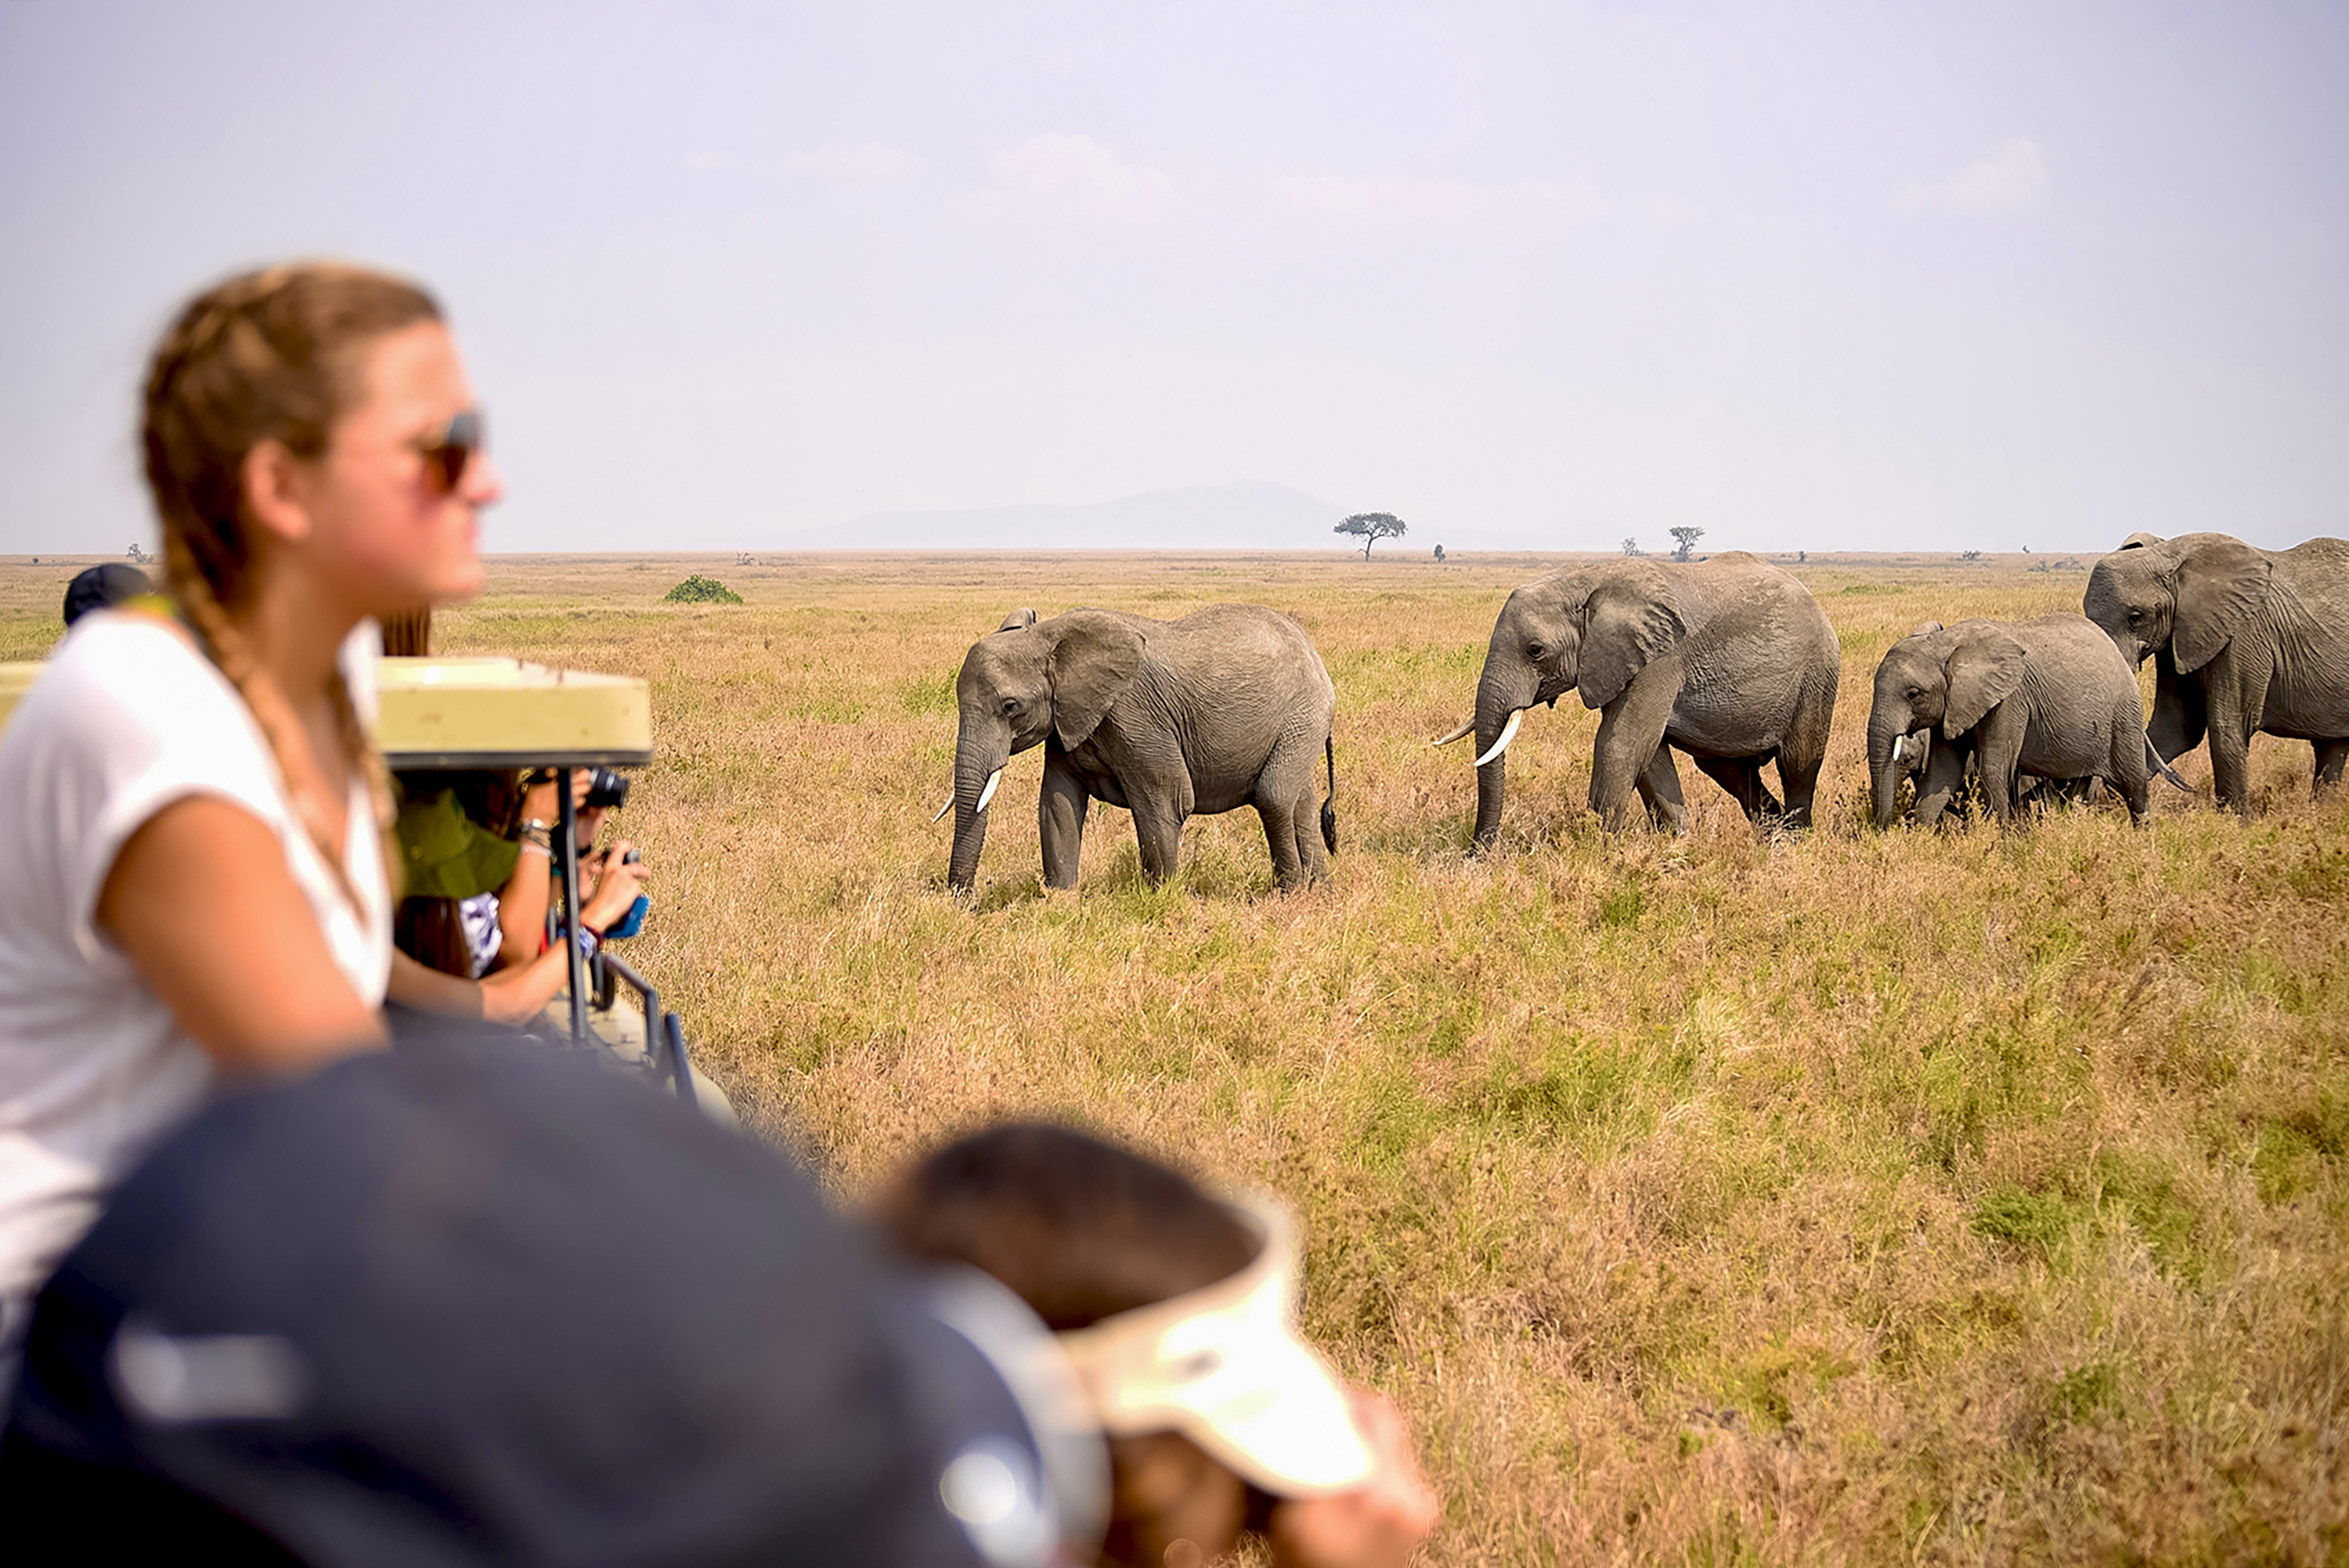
(1541, 275)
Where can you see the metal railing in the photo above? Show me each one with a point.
(664, 1032)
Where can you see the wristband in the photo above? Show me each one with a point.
(534, 846)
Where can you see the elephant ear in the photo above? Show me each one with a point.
(2221, 581)
(1985, 668)
(1095, 656)
(1629, 622)
(1020, 620)
(1925, 629)
(2139, 542)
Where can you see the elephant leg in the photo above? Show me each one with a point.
(2331, 755)
(1060, 824)
(1160, 833)
(1998, 754)
(1742, 776)
(1944, 777)
(1735, 774)
(2138, 790)
(1660, 786)
(1287, 798)
(1305, 826)
(2231, 765)
(1800, 779)
(1280, 817)
(1626, 753)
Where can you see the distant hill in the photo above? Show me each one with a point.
(1208, 517)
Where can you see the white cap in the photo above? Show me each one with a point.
(1226, 1368)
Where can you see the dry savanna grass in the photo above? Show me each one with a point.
(1957, 1196)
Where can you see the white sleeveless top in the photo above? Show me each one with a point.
(94, 1069)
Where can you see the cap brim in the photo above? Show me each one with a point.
(1291, 1432)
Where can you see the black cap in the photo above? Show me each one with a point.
(97, 586)
(476, 1304)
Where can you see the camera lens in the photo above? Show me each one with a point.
(607, 788)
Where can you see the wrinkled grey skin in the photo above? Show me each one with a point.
(2049, 698)
(2243, 641)
(1170, 719)
(1729, 659)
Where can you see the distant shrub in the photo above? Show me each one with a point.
(699, 589)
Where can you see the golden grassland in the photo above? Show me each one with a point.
(1957, 1196)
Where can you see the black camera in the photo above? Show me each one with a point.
(607, 788)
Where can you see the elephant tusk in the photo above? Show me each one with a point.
(1900, 747)
(2164, 769)
(989, 793)
(1508, 733)
(942, 811)
(1462, 733)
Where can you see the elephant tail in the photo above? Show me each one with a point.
(1329, 804)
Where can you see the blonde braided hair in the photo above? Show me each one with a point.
(275, 354)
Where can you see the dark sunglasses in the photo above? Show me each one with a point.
(448, 450)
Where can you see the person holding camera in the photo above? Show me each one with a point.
(605, 792)
(476, 923)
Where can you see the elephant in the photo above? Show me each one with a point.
(1224, 708)
(2243, 641)
(1730, 659)
(2049, 698)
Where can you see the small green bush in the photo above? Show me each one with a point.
(699, 589)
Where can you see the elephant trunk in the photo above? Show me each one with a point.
(1886, 744)
(978, 772)
(1501, 701)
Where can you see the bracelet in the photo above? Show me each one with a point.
(534, 846)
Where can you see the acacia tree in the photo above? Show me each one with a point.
(1631, 547)
(1372, 526)
(1688, 538)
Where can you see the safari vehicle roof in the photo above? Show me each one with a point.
(483, 713)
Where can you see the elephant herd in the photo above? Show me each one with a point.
(1729, 660)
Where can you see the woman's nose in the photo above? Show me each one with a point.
(485, 482)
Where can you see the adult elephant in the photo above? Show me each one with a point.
(1170, 719)
(2048, 698)
(1729, 659)
(2243, 641)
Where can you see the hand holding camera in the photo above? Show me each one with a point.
(612, 892)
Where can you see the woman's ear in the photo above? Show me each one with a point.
(2220, 581)
(1094, 657)
(276, 492)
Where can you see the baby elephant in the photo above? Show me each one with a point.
(1170, 719)
(2050, 698)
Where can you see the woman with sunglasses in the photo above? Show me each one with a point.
(187, 794)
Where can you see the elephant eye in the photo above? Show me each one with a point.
(1915, 691)
(1534, 650)
(1011, 705)
(2134, 617)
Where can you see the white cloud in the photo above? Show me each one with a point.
(2012, 176)
(1388, 200)
(861, 163)
(1070, 177)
